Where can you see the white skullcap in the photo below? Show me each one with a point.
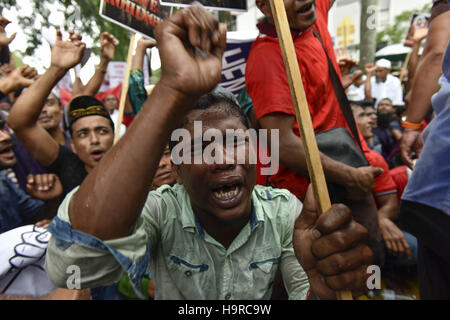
(384, 63)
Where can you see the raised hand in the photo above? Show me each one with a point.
(346, 65)
(145, 43)
(108, 45)
(67, 54)
(332, 249)
(4, 39)
(191, 44)
(45, 186)
(420, 34)
(19, 78)
(370, 69)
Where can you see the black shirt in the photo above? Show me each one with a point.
(69, 168)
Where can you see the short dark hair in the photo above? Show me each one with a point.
(83, 106)
(222, 101)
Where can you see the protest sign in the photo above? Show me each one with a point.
(234, 61)
(235, 5)
(138, 15)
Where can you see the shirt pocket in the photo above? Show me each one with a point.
(263, 267)
(190, 273)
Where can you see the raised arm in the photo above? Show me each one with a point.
(136, 92)
(370, 69)
(108, 45)
(25, 112)
(4, 39)
(101, 207)
(19, 78)
(142, 45)
(425, 83)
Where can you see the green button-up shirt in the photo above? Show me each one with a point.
(185, 261)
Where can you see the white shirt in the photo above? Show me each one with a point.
(391, 88)
(355, 93)
(115, 118)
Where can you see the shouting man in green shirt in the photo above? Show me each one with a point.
(214, 235)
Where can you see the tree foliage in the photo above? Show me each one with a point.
(395, 33)
(79, 15)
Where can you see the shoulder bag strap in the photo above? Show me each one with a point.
(340, 94)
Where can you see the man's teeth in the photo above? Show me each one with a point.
(226, 195)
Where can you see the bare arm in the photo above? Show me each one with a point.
(100, 207)
(142, 45)
(394, 238)
(25, 112)
(107, 47)
(388, 206)
(57, 294)
(429, 68)
(418, 36)
(425, 84)
(370, 69)
(292, 155)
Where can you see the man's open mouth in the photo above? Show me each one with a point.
(228, 194)
(97, 154)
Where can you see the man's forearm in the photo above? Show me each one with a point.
(94, 84)
(388, 206)
(425, 85)
(138, 59)
(429, 68)
(108, 209)
(368, 88)
(29, 105)
(293, 156)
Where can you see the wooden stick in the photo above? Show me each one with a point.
(304, 121)
(125, 85)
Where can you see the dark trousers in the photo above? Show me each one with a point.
(432, 229)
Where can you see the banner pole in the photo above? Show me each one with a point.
(125, 85)
(303, 116)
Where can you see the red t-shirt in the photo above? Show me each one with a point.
(400, 177)
(268, 86)
(384, 184)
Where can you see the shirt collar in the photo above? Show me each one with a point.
(268, 29)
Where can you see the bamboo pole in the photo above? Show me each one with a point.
(304, 121)
(125, 85)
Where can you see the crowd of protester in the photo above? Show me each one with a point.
(140, 226)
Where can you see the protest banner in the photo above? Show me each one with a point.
(234, 5)
(303, 116)
(137, 16)
(234, 60)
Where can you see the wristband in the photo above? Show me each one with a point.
(410, 125)
(102, 70)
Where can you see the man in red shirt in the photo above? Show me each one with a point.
(385, 194)
(268, 87)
